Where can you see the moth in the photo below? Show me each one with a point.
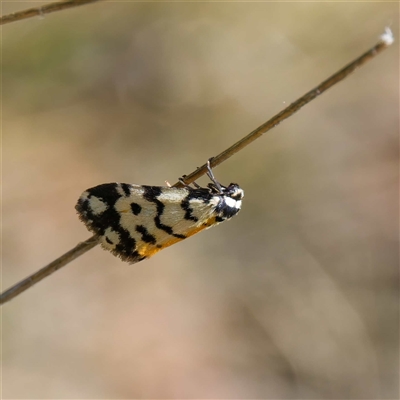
(135, 222)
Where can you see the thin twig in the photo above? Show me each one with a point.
(60, 262)
(40, 11)
(386, 40)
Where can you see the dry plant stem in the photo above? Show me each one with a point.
(40, 11)
(286, 113)
(60, 262)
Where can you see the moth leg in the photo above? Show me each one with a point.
(196, 185)
(211, 175)
(181, 180)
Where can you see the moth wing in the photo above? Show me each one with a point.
(168, 216)
(134, 222)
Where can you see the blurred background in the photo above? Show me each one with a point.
(297, 296)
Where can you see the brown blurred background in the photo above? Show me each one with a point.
(296, 297)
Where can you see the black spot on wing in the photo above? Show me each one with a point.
(200, 194)
(126, 188)
(146, 236)
(110, 218)
(151, 194)
(136, 208)
(106, 192)
(84, 211)
(185, 205)
(98, 223)
(126, 246)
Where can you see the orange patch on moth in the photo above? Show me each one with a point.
(148, 250)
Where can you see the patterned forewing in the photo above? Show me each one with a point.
(134, 222)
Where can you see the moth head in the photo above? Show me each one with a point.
(233, 191)
(230, 201)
